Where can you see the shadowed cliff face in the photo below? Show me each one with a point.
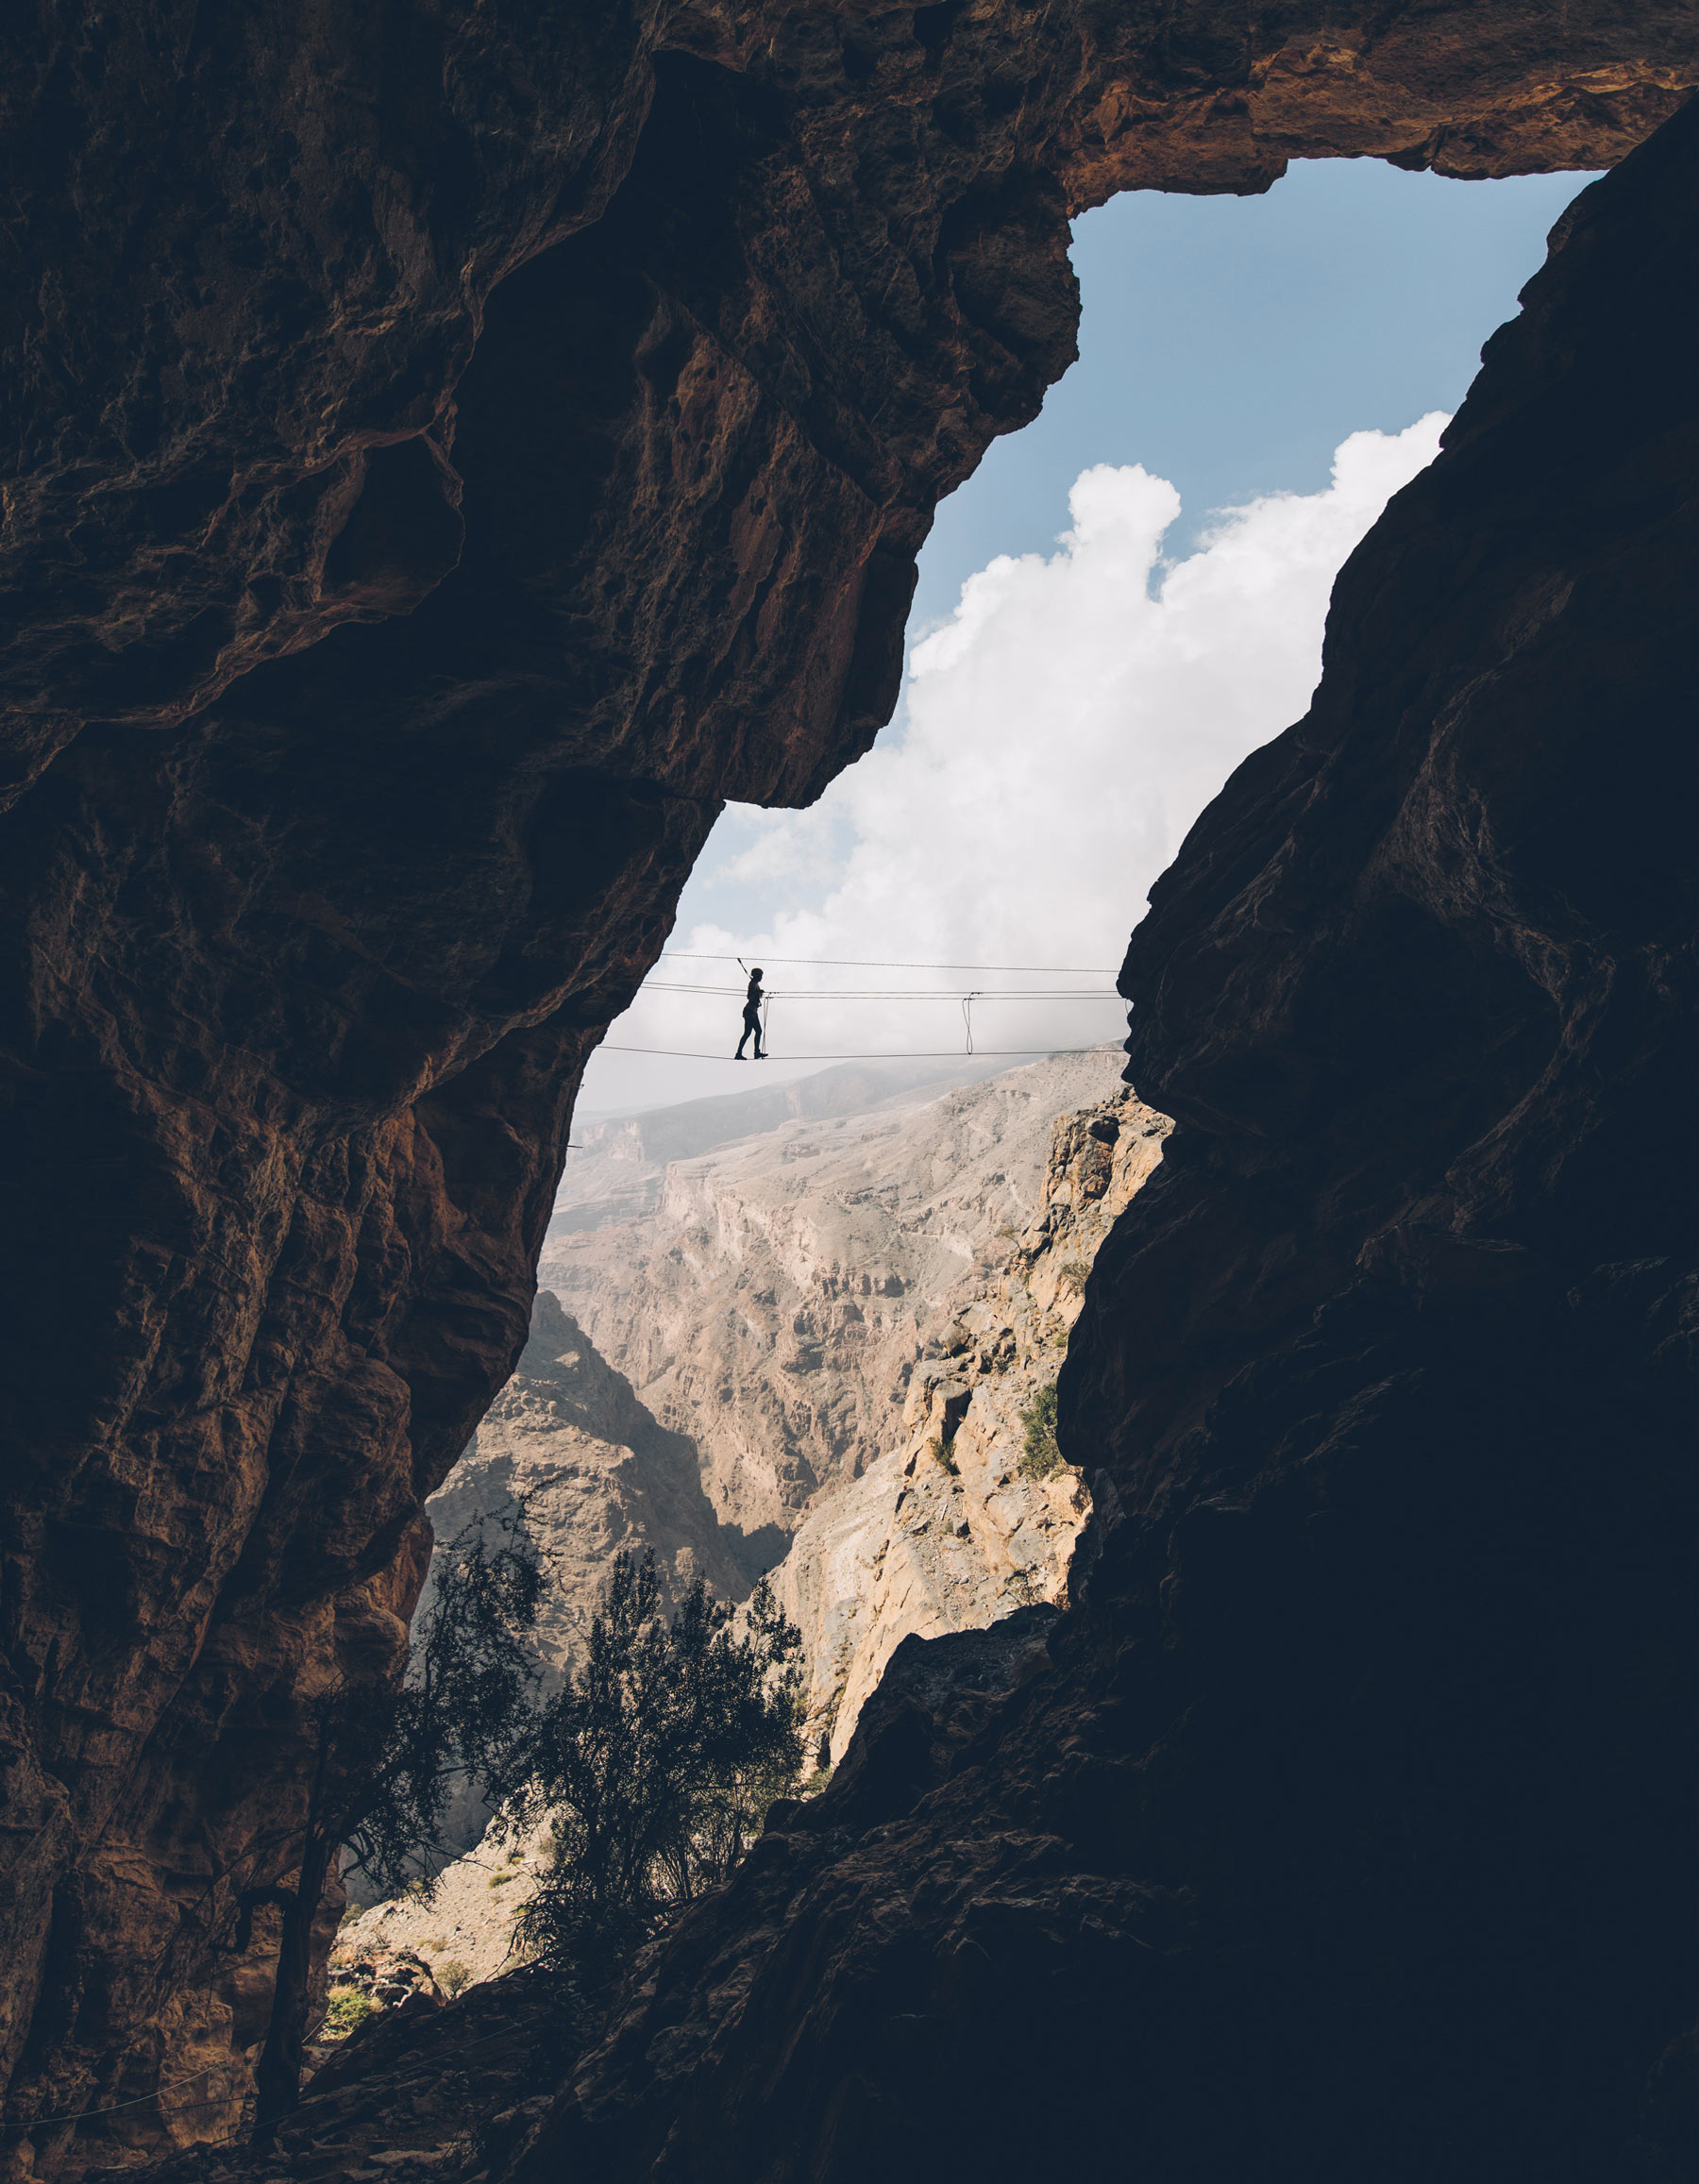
(1346, 1832)
(453, 450)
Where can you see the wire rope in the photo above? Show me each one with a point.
(83, 2115)
(657, 985)
(910, 1054)
(879, 962)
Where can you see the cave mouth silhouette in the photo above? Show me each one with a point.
(312, 914)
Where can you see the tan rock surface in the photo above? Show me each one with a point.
(951, 1530)
(597, 1473)
(894, 1542)
(775, 1305)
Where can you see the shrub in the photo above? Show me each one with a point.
(1024, 1588)
(938, 1450)
(389, 1761)
(1073, 1274)
(452, 1977)
(346, 2008)
(1041, 1455)
(654, 1766)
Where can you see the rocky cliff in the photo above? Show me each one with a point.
(939, 1522)
(774, 1306)
(597, 1473)
(1345, 1831)
(973, 1512)
(639, 347)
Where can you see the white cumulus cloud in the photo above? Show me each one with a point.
(1064, 730)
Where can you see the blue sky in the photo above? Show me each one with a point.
(1228, 346)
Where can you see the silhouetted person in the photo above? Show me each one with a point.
(751, 1018)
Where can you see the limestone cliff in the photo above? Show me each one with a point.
(448, 449)
(912, 1537)
(597, 1474)
(958, 1523)
(775, 1305)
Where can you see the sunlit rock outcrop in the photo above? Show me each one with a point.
(974, 1513)
(775, 1305)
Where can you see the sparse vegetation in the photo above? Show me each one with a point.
(345, 2009)
(452, 1977)
(938, 1449)
(387, 1763)
(1040, 1455)
(654, 1766)
(1072, 1274)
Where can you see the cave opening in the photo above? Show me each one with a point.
(432, 506)
(752, 1366)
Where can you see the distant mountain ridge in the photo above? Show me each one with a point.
(615, 1169)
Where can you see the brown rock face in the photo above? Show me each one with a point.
(638, 347)
(1346, 1831)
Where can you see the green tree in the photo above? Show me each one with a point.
(655, 1765)
(387, 1763)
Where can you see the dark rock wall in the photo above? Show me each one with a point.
(449, 450)
(1346, 1830)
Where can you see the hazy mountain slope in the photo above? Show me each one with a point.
(775, 1303)
(616, 1163)
(861, 1292)
(597, 1474)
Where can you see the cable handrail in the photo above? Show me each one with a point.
(84, 2115)
(893, 993)
(930, 1054)
(882, 963)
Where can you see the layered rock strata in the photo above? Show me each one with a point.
(1346, 1830)
(638, 347)
(597, 1474)
(972, 1515)
(945, 1527)
(622, 1159)
(775, 1306)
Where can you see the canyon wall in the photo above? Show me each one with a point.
(972, 1511)
(924, 1512)
(450, 449)
(775, 1305)
(1346, 1829)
